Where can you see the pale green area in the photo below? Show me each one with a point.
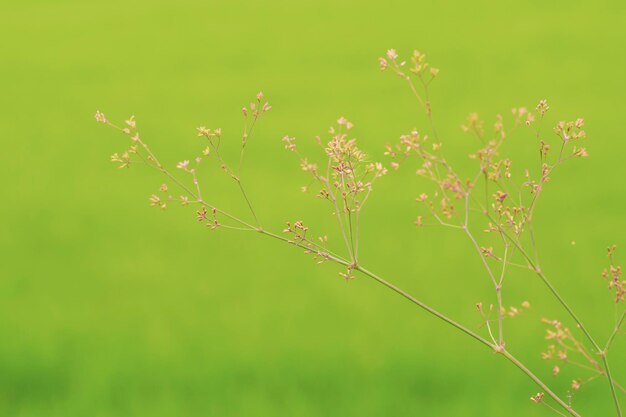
(111, 308)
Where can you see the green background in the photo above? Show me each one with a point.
(111, 308)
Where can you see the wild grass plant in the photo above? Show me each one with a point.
(494, 207)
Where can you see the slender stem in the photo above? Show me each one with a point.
(204, 203)
(497, 286)
(615, 332)
(348, 217)
(605, 361)
(196, 183)
(537, 381)
(245, 196)
(333, 199)
(425, 307)
(157, 165)
(470, 333)
(552, 289)
(446, 319)
(490, 332)
(244, 140)
(554, 410)
(330, 255)
(573, 315)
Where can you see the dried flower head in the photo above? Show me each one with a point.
(613, 274)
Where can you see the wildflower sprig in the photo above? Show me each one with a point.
(617, 284)
(345, 180)
(347, 167)
(613, 274)
(565, 349)
(140, 153)
(417, 69)
(507, 204)
(491, 206)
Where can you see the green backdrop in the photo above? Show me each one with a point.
(111, 308)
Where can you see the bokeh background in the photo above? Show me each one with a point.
(111, 308)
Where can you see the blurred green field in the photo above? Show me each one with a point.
(111, 308)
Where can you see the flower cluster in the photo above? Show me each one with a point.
(507, 204)
(256, 108)
(449, 187)
(210, 220)
(346, 182)
(565, 348)
(132, 155)
(537, 398)
(316, 247)
(504, 205)
(418, 69)
(613, 274)
(418, 66)
(139, 152)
